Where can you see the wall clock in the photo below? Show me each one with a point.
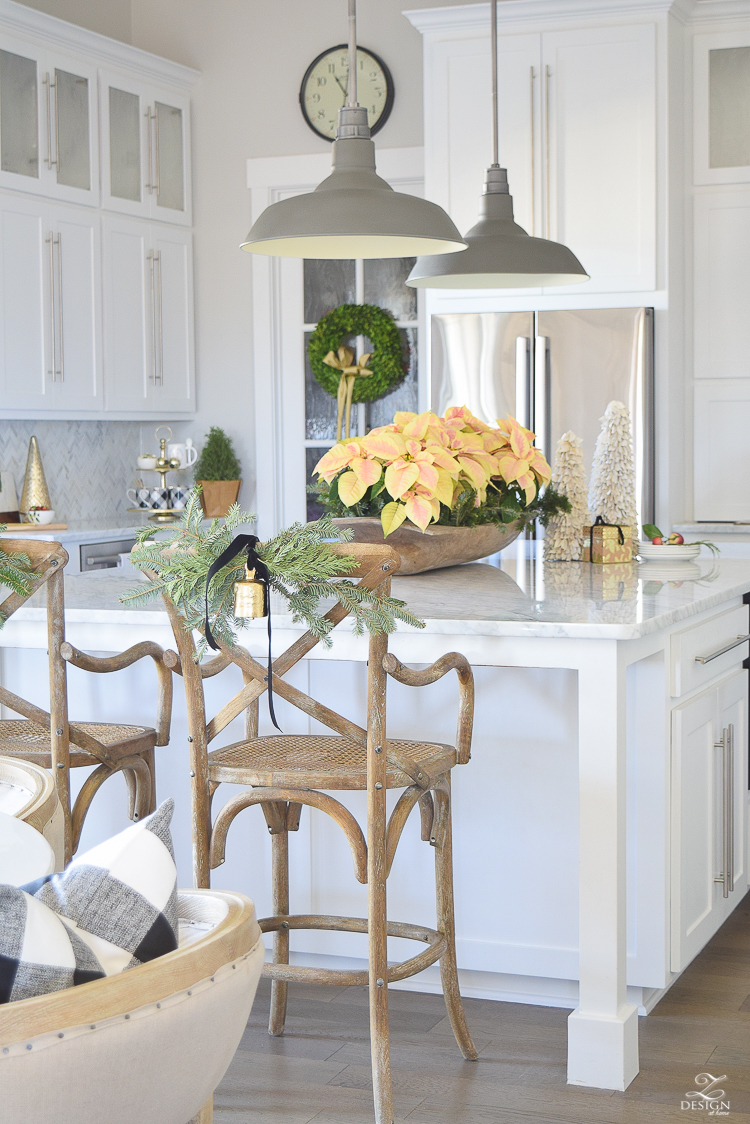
(324, 89)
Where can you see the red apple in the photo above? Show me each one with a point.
(658, 541)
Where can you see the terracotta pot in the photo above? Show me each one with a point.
(437, 546)
(218, 496)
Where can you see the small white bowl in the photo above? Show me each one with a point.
(146, 461)
(684, 553)
(40, 516)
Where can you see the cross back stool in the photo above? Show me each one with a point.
(48, 739)
(284, 772)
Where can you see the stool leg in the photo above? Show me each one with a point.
(280, 878)
(446, 925)
(150, 759)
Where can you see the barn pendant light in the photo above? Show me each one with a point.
(500, 254)
(354, 213)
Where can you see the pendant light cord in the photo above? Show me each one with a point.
(352, 99)
(493, 36)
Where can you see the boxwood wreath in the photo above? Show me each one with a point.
(334, 366)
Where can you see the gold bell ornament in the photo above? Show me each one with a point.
(249, 596)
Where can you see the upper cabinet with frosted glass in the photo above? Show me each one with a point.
(145, 149)
(48, 122)
(721, 115)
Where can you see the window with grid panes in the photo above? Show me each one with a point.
(327, 284)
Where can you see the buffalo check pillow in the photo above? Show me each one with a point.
(113, 908)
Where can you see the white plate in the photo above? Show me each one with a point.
(663, 572)
(684, 553)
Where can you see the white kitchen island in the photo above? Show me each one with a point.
(600, 833)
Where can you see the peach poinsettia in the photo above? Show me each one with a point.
(421, 462)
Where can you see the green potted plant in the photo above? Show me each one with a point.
(218, 472)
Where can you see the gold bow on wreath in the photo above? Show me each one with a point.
(343, 361)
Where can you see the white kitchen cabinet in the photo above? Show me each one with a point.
(148, 318)
(721, 461)
(577, 135)
(721, 107)
(145, 149)
(600, 137)
(721, 282)
(50, 307)
(709, 805)
(48, 122)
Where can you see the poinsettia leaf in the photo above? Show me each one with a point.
(392, 516)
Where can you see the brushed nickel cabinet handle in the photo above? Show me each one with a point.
(56, 161)
(150, 260)
(150, 184)
(58, 242)
(49, 86)
(721, 651)
(52, 319)
(157, 175)
(157, 259)
(726, 745)
(546, 151)
(533, 182)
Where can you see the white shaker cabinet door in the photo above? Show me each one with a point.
(128, 315)
(695, 828)
(721, 458)
(709, 805)
(721, 283)
(148, 318)
(599, 172)
(72, 242)
(173, 388)
(26, 362)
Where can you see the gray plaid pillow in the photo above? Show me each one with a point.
(38, 953)
(120, 898)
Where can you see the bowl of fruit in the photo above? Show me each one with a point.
(40, 514)
(673, 548)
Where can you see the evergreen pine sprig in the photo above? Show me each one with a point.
(15, 572)
(301, 567)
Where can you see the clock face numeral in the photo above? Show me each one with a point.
(325, 88)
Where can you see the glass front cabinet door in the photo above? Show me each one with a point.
(48, 123)
(721, 108)
(145, 150)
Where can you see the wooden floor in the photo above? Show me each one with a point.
(320, 1070)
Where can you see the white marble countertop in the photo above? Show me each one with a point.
(569, 599)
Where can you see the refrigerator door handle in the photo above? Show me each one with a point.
(541, 412)
(523, 381)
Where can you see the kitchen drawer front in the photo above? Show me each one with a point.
(697, 655)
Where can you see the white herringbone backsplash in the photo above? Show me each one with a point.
(88, 464)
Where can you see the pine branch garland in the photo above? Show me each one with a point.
(15, 572)
(612, 487)
(302, 568)
(564, 539)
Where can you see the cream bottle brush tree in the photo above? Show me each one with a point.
(563, 541)
(612, 485)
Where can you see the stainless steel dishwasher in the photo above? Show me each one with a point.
(103, 555)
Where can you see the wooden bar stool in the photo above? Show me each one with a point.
(284, 772)
(49, 739)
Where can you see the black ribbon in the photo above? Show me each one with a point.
(240, 543)
(601, 522)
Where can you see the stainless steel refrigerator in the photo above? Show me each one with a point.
(554, 371)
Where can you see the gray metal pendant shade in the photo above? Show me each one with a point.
(500, 254)
(353, 213)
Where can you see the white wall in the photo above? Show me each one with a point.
(107, 17)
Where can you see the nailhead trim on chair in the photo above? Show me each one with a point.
(45, 1041)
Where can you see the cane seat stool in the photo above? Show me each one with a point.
(49, 740)
(284, 772)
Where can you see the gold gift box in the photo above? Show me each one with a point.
(617, 582)
(602, 544)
